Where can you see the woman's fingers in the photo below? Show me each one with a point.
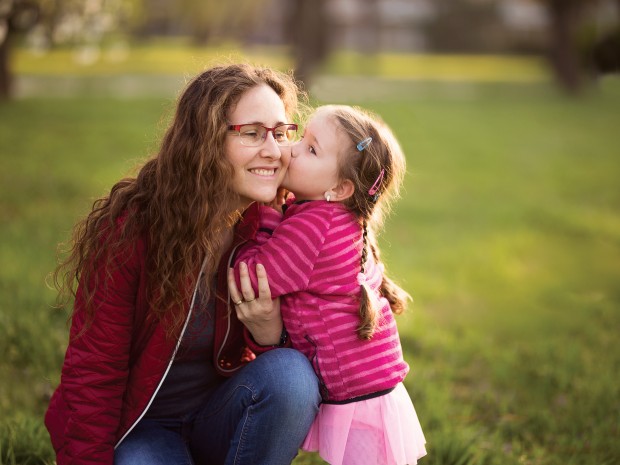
(233, 291)
(246, 284)
(247, 292)
(264, 292)
(259, 314)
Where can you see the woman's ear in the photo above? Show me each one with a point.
(343, 190)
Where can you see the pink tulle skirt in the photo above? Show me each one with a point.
(380, 431)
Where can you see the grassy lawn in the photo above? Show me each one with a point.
(507, 236)
(171, 57)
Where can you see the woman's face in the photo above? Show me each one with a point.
(258, 171)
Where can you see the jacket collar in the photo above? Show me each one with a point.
(247, 227)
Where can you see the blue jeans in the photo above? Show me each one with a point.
(260, 416)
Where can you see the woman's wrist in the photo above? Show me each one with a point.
(281, 341)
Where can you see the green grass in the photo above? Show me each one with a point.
(160, 57)
(174, 57)
(507, 236)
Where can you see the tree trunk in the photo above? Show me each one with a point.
(308, 32)
(6, 77)
(564, 53)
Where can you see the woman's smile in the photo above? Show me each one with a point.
(265, 172)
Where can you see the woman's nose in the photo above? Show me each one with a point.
(270, 148)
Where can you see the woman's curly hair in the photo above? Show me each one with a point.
(177, 202)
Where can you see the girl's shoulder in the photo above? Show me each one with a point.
(323, 215)
(295, 207)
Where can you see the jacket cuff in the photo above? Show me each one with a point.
(285, 341)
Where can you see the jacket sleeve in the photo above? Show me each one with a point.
(290, 253)
(96, 365)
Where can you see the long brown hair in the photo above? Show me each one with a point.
(381, 164)
(177, 202)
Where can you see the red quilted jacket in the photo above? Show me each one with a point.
(112, 371)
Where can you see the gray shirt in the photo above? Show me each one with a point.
(192, 374)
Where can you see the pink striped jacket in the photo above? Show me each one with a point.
(312, 257)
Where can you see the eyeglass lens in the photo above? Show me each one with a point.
(255, 134)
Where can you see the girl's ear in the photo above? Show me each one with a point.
(343, 191)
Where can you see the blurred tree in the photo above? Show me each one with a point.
(473, 25)
(604, 56)
(15, 16)
(568, 59)
(82, 23)
(214, 20)
(308, 34)
(464, 26)
(564, 52)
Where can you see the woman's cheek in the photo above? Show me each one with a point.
(285, 156)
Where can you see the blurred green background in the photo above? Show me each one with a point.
(507, 234)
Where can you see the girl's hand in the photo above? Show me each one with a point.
(259, 314)
(280, 199)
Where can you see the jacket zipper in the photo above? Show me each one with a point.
(223, 344)
(174, 353)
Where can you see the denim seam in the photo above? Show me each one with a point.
(242, 435)
(222, 405)
(244, 428)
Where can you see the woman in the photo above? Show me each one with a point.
(158, 365)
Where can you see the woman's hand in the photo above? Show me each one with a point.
(259, 314)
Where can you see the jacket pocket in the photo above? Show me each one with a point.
(314, 360)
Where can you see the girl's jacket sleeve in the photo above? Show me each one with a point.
(288, 247)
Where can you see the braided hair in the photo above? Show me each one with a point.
(374, 162)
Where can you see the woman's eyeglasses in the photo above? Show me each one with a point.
(253, 135)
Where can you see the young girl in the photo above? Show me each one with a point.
(322, 258)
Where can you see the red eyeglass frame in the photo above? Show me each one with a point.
(237, 127)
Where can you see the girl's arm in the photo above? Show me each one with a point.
(289, 254)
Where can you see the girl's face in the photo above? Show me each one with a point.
(314, 166)
(258, 170)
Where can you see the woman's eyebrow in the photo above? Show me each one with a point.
(262, 123)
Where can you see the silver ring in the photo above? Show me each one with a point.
(251, 300)
(238, 303)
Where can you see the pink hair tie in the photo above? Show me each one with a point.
(361, 279)
(375, 187)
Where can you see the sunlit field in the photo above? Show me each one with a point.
(507, 236)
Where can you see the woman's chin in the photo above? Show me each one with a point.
(262, 197)
(266, 197)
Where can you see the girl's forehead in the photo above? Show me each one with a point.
(321, 112)
(325, 131)
(322, 118)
